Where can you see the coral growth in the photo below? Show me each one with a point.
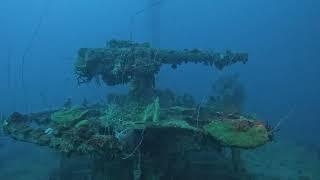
(123, 62)
(238, 133)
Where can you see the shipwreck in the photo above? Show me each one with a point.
(147, 134)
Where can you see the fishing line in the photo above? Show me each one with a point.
(28, 48)
(133, 16)
(283, 119)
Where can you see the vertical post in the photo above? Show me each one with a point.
(154, 19)
(143, 88)
(236, 158)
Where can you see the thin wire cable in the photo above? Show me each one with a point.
(283, 119)
(132, 19)
(28, 48)
(9, 69)
(137, 146)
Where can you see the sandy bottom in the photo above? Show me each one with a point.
(23, 161)
(283, 160)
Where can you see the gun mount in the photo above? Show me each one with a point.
(123, 62)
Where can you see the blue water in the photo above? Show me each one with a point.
(282, 38)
